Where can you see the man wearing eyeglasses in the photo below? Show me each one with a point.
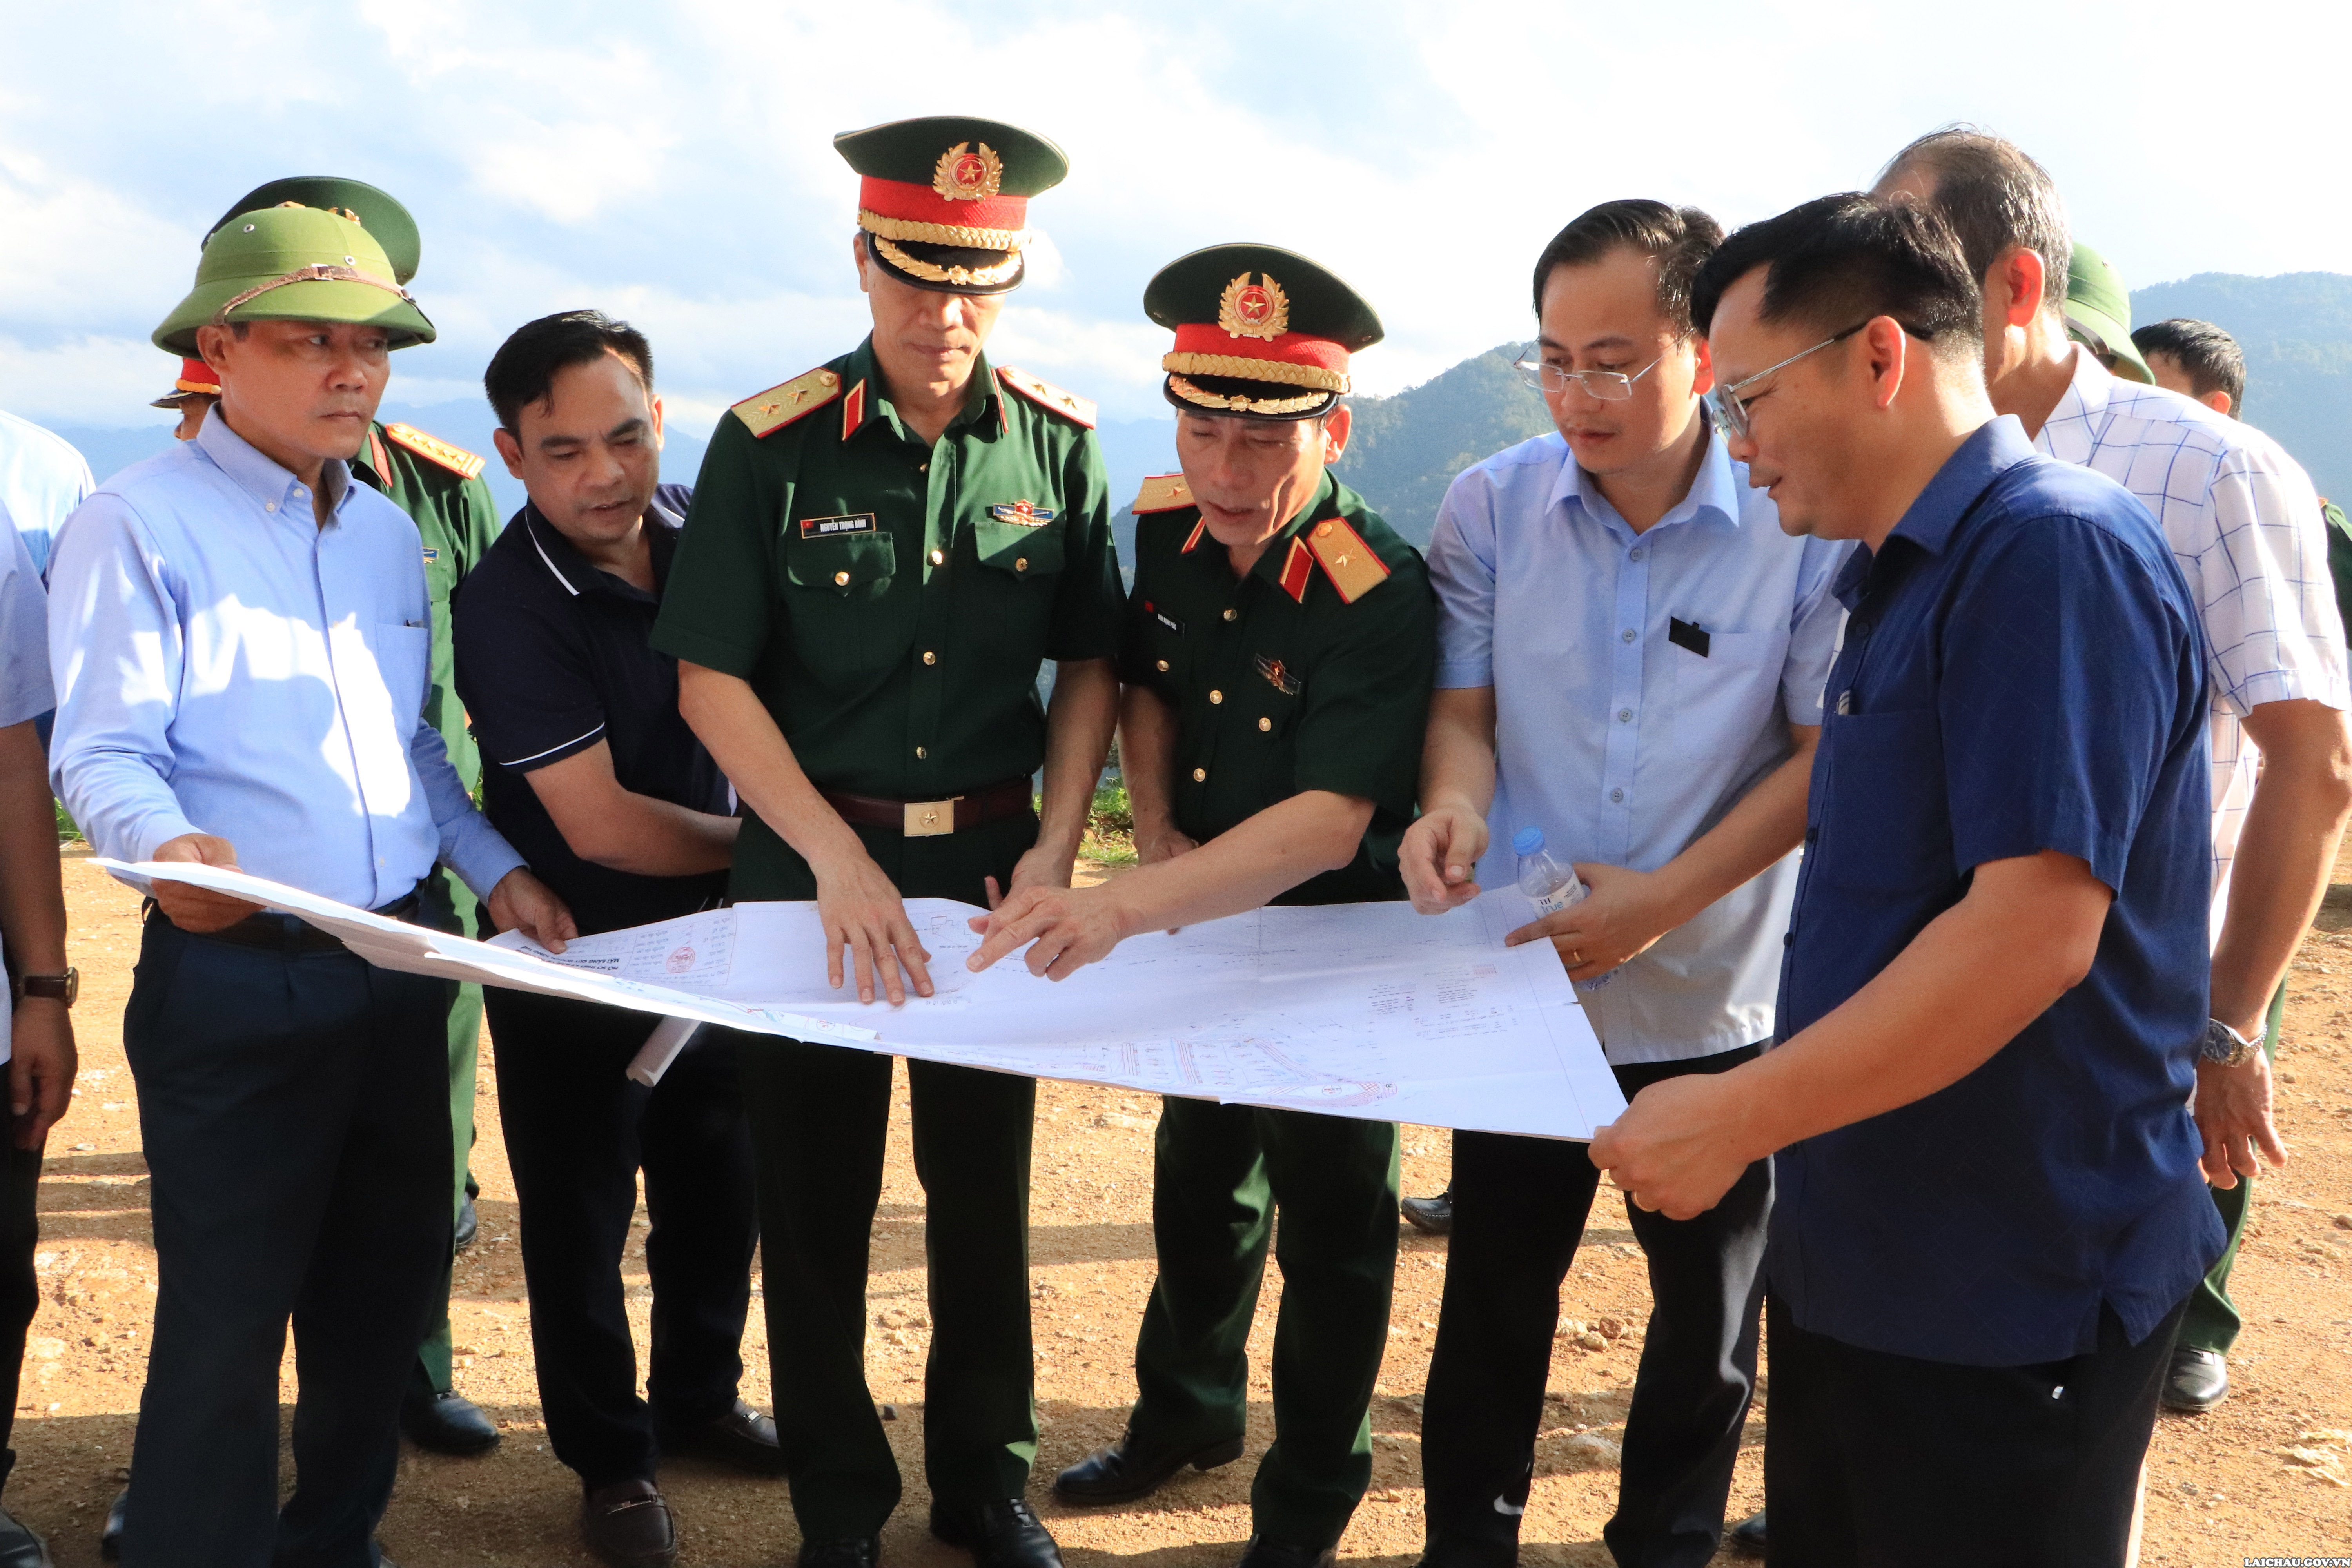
(1631, 658)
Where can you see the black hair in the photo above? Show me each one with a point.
(1995, 198)
(1838, 261)
(524, 368)
(2210, 355)
(1679, 239)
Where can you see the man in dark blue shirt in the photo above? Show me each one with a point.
(588, 762)
(1990, 1212)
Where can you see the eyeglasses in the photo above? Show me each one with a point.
(1734, 408)
(1607, 385)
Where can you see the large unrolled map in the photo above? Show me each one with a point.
(1365, 1010)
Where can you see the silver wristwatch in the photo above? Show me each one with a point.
(2223, 1046)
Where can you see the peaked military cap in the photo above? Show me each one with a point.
(196, 379)
(1260, 332)
(375, 210)
(2098, 313)
(945, 198)
(293, 264)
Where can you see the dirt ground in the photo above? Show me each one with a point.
(2263, 1476)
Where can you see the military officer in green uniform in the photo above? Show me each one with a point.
(1281, 640)
(880, 554)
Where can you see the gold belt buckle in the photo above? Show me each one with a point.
(929, 818)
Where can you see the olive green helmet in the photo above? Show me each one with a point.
(293, 263)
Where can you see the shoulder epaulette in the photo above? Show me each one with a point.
(1045, 394)
(1351, 565)
(765, 413)
(457, 459)
(1163, 492)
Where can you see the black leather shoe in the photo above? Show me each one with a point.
(843, 1551)
(742, 1437)
(19, 1547)
(469, 1225)
(1435, 1215)
(1123, 1471)
(445, 1423)
(998, 1534)
(2197, 1381)
(1747, 1535)
(1264, 1553)
(628, 1525)
(110, 1534)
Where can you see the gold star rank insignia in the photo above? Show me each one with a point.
(1346, 559)
(1163, 492)
(1045, 394)
(765, 413)
(457, 459)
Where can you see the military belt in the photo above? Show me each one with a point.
(927, 818)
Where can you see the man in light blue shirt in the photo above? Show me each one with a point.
(240, 636)
(1631, 659)
(42, 479)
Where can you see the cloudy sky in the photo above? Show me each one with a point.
(672, 163)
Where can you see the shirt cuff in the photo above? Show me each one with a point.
(157, 831)
(2286, 686)
(481, 856)
(726, 658)
(1454, 674)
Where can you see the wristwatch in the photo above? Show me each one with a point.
(58, 987)
(2223, 1046)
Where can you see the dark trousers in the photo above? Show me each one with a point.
(20, 1289)
(578, 1132)
(1866, 1446)
(1519, 1208)
(1219, 1175)
(295, 1112)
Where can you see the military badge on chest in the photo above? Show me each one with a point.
(1021, 514)
(1278, 675)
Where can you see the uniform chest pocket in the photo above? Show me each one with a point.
(1886, 810)
(852, 566)
(1018, 549)
(1723, 699)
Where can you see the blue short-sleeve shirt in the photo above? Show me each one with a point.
(2023, 671)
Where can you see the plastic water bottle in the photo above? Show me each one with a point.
(1552, 885)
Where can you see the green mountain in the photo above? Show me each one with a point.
(1407, 448)
(2296, 332)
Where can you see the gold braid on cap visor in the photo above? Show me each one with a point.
(1192, 393)
(1242, 368)
(962, 277)
(318, 272)
(956, 234)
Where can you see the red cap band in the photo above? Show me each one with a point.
(912, 203)
(1291, 348)
(195, 376)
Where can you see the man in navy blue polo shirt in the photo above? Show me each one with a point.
(588, 763)
(1989, 1211)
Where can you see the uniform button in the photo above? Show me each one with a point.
(1163, 667)
(1625, 715)
(1199, 776)
(1231, 613)
(930, 657)
(1324, 532)
(1022, 564)
(920, 754)
(1626, 635)
(1265, 723)
(1616, 797)
(922, 468)
(1217, 696)
(939, 557)
(841, 579)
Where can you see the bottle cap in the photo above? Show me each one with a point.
(1527, 840)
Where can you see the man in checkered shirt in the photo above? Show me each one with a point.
(2245, 524)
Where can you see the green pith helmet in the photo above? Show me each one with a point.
(945, 198)
(377, 212)
(1261, 331)
(2098, 313)
(293, 264)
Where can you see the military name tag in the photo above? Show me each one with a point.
(1164, 617)
(431, 555)
(834, 527)
(1022, 513)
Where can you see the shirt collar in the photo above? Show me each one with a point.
(1714, 491)
(980, 393)
(1995, 448)
(262, 477)
(1275, 557)
(2070, 432)
(577, 573)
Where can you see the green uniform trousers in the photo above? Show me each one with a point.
(1220, 1174)
(2212, 1321)
(820, 1121)
(454, 911)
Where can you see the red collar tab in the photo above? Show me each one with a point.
(853, 411)
(1297, 571)
(1193, 538)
